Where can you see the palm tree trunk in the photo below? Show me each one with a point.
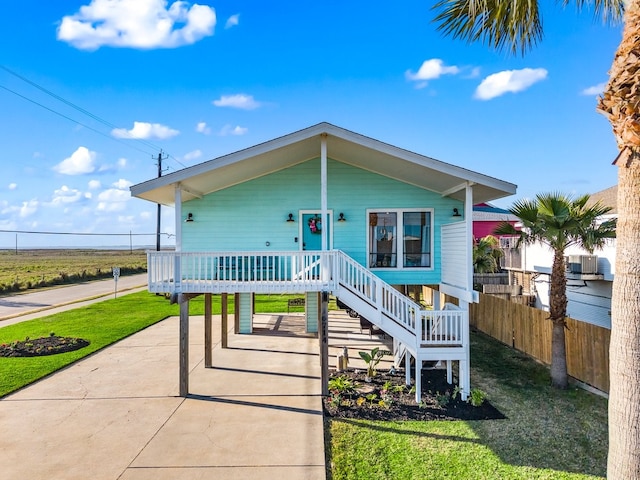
(621, 103)
(557, 314)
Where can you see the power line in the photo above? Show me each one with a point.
(73, 120)
(83, 111)
(76, 107)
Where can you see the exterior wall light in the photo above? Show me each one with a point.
(189, 218)
(341, 217)
(456, 213)
(290, 219)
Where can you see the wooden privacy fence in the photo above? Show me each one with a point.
(529, 330)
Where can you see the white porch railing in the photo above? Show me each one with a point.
(239, 272)
(307, 271)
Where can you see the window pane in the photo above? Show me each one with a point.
(382, 239)
(417, 239)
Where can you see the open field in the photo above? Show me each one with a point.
(28, 269)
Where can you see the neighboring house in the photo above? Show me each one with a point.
(487, 217)
(589, 276)
(328, 211)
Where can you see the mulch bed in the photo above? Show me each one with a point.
(36, 347)
(372, 401)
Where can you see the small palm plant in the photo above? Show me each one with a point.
(372, 359)
(486, 255)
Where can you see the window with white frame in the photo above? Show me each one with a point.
(400, 239)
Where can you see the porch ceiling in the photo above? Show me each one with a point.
(343, 146)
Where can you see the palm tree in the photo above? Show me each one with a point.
(559, 222)
(486, 255)
(517, 26)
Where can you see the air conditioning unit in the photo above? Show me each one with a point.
(585, 264)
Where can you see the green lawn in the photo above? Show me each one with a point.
(102, 324)
(548, 434)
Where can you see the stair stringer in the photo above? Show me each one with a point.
(378, 318)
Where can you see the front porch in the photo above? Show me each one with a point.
(439, 334)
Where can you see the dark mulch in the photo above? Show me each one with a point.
(42, 346)
(372, 401)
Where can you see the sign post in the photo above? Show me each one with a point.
(116, 274)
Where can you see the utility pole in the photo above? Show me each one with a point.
(159, 207)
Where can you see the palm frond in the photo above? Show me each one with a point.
(559, 221)
(515, 26)
(611, 11)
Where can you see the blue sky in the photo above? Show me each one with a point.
(202, 80)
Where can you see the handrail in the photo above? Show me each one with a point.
(399, 307)
(301, 271)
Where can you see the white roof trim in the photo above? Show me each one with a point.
(343, 146)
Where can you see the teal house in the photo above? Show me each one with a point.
(326, 211)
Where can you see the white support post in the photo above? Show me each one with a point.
(323, 191)
(463, 365)
(468, 218)
(177, 271)
(449, 372)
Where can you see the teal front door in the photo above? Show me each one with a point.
(312, 231)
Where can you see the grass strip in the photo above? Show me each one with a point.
(548, 434)
(102, 324)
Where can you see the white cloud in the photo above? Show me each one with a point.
(145, 130)
(230, 130)
(595, 89)
(145, 215)
(192, 155)
(142, 24)
(12, 186)
(202, 127)
(29, 208)
(474, 73)
(113, 200)
(65, 196)
(240, 100)
(94, 184)
(232, 21)
(81, 162)
(122, 162)
(509, 81)
(122, 184)
(430, 70)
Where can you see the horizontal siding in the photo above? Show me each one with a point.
(250, 215)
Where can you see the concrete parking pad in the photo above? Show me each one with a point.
(116, 414)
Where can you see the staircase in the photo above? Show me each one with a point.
(425, 335)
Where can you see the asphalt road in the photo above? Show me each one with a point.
(24, 306)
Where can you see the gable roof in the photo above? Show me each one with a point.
(343, 146)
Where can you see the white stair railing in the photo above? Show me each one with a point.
(306, 271)
(379, 294)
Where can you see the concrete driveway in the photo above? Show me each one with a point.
(116, 414)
